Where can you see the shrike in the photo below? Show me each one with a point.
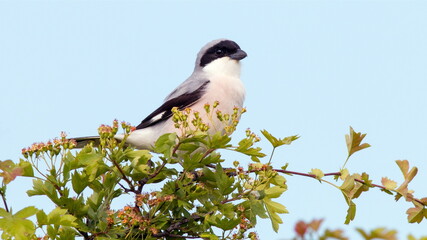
(216, 77)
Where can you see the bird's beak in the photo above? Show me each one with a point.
(239, 55)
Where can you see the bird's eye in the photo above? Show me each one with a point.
(219, 52)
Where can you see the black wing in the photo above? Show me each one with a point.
(165, 110)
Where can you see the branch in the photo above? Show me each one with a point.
(4, 201)
(132, 188)
(145, 180)
(338, 174)
(177, 226)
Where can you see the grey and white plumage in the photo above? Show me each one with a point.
(216, 77)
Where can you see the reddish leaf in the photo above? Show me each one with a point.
(301, 228)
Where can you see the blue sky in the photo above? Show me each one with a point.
(314, 68)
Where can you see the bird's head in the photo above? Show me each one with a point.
(221, 56)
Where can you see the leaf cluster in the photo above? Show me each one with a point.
(182, 189)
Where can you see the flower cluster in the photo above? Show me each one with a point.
(182, 121)
(152, 199)
(259, 167)
(251, 135)
(131, 217)
(106, 131)
(53, 147)
(244, 226)
(190, 121)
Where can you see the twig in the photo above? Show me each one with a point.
(4, 201)
(131, 187)
(145, 180)
(339, 174)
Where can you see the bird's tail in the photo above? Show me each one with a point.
(83, 141)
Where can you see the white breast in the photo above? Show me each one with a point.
(225, 87)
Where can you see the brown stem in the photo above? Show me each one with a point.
(131, 187)
(4, 201)
(339, 174)
(145, 180)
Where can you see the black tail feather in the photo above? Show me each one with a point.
(83, 141)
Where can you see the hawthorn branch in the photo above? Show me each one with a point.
(131, 187)
(143, 181)
(339, 174)
(177, 226)
(4, 201)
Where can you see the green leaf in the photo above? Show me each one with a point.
(79, 182)
(317, 172)
(224, 223)
(16, 225)
(273, 208)
(347, 185)
(95, 169)
(274, 192)
(41, 218)
(219, 141)
(86, 157)
(27, 168)
(416, 214)
(10, 171)
(279, 180)
(26, 212)
(165, 144)
(59, 216)
(275, 142)
(409, 175)
(388, 183)
(351, 212)
(223, 181)
(209, 236)
(139, 156)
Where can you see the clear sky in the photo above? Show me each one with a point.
(314, 68)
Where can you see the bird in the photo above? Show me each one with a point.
(216, 78)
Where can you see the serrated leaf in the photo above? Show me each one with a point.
(26, 212)
(279, 180)
(16, 225)
(79, 183)
(10, 171)
(388, 183)
(348, 184)
(317, 172)
(416, 214)
(409, 175)
(87, 156)
(353, 141)
(351, 212)
(219, 141)
(275, 221)
(275, 142)
(27, 168)
(274, 192)
(344, 173)
(165, 144)
(41, 218)
(209, 236)
(275, 206)
(140, 156)
(227, 224)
